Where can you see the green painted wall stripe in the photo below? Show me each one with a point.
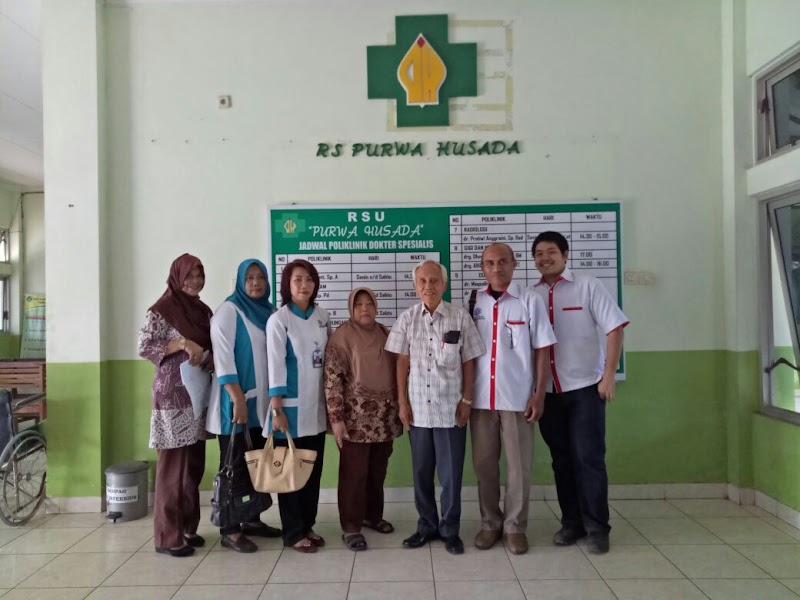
(74, 457)
(776, 456)
(9, 345)
(743, 396)
(667, 424)
(681, 417)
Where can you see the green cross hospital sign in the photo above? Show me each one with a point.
(422, 71)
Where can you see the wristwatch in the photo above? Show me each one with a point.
(276, 412)
(467, 402)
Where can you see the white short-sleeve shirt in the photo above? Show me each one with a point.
(437, 345)
(511, 327)
(582, 313)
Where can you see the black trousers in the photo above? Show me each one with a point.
(574, 428)
(299, 509)
(239, 464)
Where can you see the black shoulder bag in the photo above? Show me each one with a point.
(234, 500)
(473, 297)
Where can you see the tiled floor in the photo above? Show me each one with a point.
(660, 549)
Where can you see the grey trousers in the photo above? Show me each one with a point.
(490, 429)
(440, 450)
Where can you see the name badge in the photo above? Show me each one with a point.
(316, 357)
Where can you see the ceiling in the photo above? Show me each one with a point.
(21, 147)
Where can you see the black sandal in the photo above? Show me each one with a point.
(194, 540)
(354, 541)
(181, 552)
(381, 526)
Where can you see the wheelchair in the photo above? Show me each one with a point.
(23, 463)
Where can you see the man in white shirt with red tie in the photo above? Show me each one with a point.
(582, 370)
(508, 396)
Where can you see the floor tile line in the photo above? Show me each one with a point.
(124, 562)
(139, 549)
(586, 554)
(352, 570)
(699, 524)
(433, 573)
(672, 563)
(678, 508)
(735, 549)
(266, 583)
(786, 586)
(786, 533)
(32, 574)
(79, 541)
(696, 522)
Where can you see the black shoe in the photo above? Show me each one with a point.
(260, 530)
(243, 545)
(417, 539)
(177, 552)
(567, 536)
(194, 540)
(454, 545)
(597, 543)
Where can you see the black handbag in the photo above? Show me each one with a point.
(234, 500)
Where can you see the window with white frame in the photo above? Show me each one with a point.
(778, 108)
(4, 299)
(781, 313)
(4, 250)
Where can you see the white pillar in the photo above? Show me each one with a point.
(73, 169)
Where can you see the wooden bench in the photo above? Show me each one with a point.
(25, 378)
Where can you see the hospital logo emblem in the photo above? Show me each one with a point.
(422, 71)
(289, 225)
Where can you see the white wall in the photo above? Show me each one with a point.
(772, 29)
(72, 164)
(618, 100)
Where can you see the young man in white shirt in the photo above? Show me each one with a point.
(582, 371)
(507, 398)
(436, 343)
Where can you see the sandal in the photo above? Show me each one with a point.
(315, 539)
(381, 526)
(354, 541)
(305, 546)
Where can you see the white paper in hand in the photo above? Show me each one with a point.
(197, 382)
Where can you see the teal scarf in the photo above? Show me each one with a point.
(257, 310)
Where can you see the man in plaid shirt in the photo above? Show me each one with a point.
(436, 344)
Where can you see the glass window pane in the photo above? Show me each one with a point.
(3, 305)
(785, 258)
(786, 101)
(785, 381)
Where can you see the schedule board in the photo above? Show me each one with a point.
(378, 246)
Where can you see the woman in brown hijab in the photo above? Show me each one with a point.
(176, 329)
(361, 394)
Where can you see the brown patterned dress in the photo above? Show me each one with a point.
(369, 415)
(172, 424)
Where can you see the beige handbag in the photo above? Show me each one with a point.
(280, 470)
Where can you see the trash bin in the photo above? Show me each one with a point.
(127, 491)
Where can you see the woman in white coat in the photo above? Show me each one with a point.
(239, 394)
